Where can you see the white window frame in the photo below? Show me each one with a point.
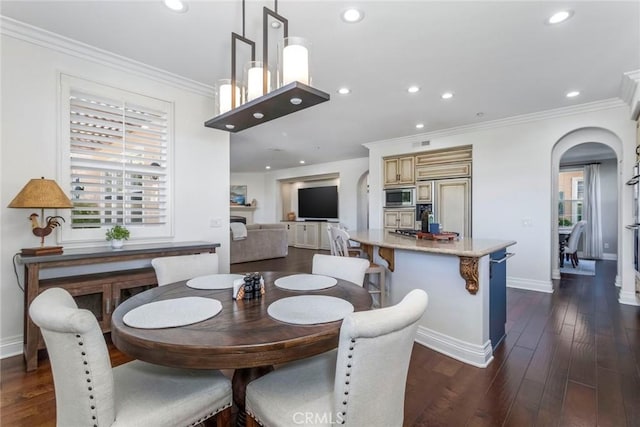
(140, 233)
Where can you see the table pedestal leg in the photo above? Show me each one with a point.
(242, 377)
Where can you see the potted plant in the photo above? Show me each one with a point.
(117, 235)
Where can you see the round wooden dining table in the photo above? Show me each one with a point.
(242, 336)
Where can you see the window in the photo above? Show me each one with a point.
(570, 181)
(117, 154)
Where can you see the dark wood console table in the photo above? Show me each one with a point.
(99, 292)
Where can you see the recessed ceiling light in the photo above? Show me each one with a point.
(230, 126)
(413, 89)
(560, 16)
(296, 101)
(419, 125)
(573, 94)
(447, 95)
(344, 91)
(302, 162)
(275, 24)
(176, 5)
(352, 15)
(258, 115)
(267, 167)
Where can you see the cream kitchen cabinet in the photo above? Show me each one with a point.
(399, 171)
(453, 205)
(445, 170)
(399, 218)
(424, 192)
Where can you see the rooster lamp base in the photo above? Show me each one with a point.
(42, 230)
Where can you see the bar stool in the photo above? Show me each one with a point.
(340, 247)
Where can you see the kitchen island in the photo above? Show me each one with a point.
(466, 283)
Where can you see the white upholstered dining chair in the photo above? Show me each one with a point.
(570, 249)
(360, 384)
(89, 392)
(184, 267)
(350, 269)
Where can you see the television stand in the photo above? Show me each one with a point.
(308, 234)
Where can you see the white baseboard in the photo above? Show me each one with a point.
(628, 298)
(479, 356)
(11, 346)
(530, 285)
(610, 257)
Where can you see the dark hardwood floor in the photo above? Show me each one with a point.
(571, 358)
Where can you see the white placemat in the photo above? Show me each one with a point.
(305, 282)
(214, 281)
(309, 309)
(172, 313)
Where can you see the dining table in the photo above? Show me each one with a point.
(243, 336)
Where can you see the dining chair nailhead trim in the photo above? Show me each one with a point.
(347, 383)
(87, 372)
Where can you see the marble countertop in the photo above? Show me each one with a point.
(464, 247)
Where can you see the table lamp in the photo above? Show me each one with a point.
(42, 194)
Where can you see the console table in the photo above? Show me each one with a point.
(99, 292)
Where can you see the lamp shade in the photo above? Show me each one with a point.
(41, 193)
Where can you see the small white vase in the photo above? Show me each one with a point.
(117, 243)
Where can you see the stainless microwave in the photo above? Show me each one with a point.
(399, 197)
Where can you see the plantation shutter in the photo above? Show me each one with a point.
(118, 162)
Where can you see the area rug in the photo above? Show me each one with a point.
(586, 267)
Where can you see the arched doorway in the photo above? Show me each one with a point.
(582, 146)
(363, 202)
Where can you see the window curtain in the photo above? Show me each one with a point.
(593, 229)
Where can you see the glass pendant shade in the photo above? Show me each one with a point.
(253, 78)
(223, 96)
(294, 58)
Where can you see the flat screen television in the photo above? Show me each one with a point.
(318, 203)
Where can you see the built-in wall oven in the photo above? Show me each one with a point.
(635, 182)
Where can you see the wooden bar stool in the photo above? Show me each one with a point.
(340, 247)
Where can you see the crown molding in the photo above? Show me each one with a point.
(509, 121)
(30, 34)
(628, 85)
(630, 91)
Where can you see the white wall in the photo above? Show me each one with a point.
(349, 172)
(255, 190)
(512, 188)
(29, 142)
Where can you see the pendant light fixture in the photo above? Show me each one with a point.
(249, 104)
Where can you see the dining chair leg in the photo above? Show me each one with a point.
(383, 289)
(251, 422)
(221, 419)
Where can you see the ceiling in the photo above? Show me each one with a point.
(500, 59)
